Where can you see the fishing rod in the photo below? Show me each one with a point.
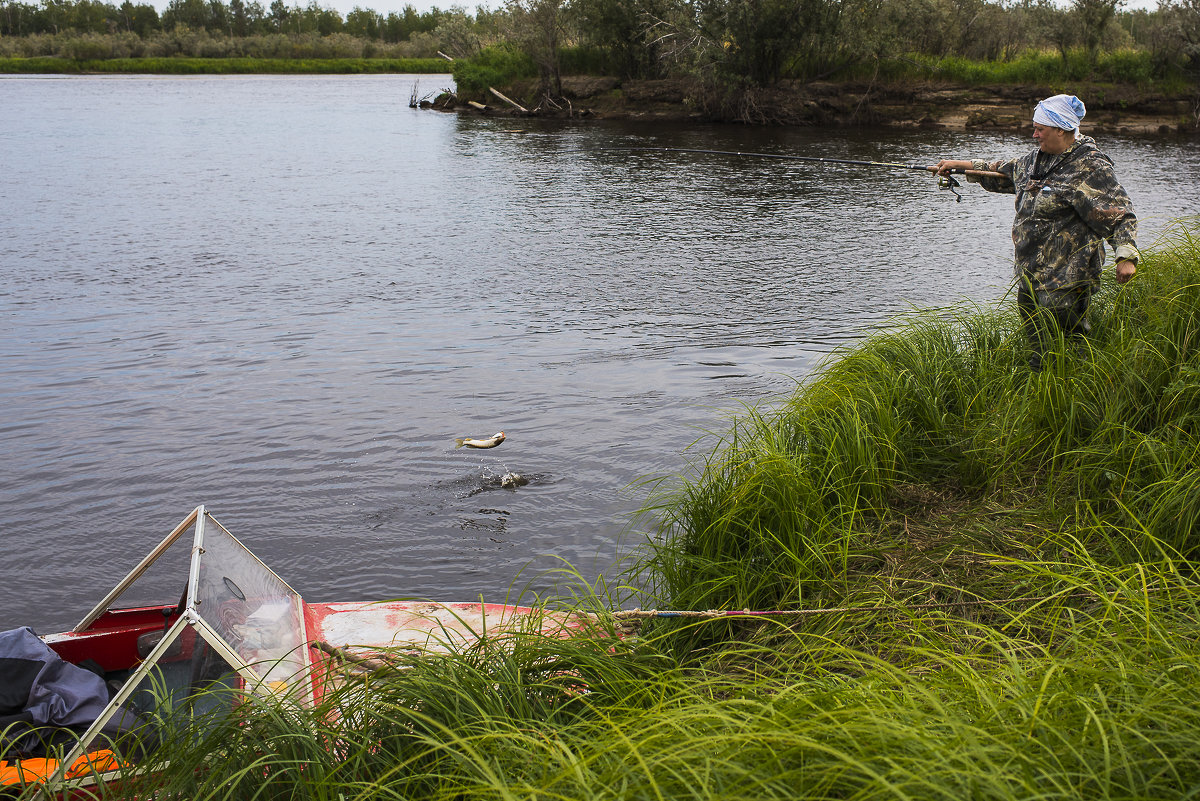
(944, 182)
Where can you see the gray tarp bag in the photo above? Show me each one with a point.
(39, 690)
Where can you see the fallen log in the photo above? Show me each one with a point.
(508, 100)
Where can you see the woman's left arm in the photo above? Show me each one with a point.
(1105, 206)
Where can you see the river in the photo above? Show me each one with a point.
(285, 297)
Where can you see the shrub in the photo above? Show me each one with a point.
(88, 46)
(498, 65)
(581, 60)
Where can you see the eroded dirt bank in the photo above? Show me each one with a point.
(1120, 109)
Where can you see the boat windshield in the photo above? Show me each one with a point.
(253, 611)
(241, 630)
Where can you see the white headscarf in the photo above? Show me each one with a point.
(1060, 111)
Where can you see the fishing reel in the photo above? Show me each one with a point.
(950, 184)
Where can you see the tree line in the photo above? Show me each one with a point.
(747, 42)
(235, 18)
(764, 41)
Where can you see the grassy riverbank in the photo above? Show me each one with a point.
(223, 66)
(929, 464)
(1008, 559)
(1091, 699)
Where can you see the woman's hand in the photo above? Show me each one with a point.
(947, 166)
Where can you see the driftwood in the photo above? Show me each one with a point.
(508, 100)
(547, 106)
(364, 668)
(357, 668)
(341, 654)
(443, 55)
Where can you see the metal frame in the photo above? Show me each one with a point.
(193, 578)
(308, 696)
(123, 584)
(120, 698)
(250, 678)
(252, 682)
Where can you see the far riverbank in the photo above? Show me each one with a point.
(182, 65)
(1112, 108)
(932, 105)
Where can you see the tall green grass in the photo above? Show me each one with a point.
(495, 66)
(1041, 67)
(1095, 699)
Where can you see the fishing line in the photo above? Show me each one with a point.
(947, 182)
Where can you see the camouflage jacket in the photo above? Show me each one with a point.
(1067, 205)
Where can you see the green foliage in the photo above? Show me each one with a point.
(1044, 68)
(589, 61)
(974, 29)
(757, 37)
(626, 31)
(731, 45)
(237, 19)
(496, 66)
(1126, 66)
(760, 38)
(539, 29)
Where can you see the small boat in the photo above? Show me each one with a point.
(239, 626)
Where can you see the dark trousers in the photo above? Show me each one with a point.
(1047, 315)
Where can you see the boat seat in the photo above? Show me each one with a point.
(146, 643)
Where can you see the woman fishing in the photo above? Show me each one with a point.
(1068, 203)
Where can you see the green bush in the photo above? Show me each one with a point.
(88, 47)
(580, 60)
(498, 65)
(1126, 66)
(1042, 67)
(38, 65)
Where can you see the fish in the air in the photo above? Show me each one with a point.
(490, 442)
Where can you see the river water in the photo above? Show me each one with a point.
(285, 297)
